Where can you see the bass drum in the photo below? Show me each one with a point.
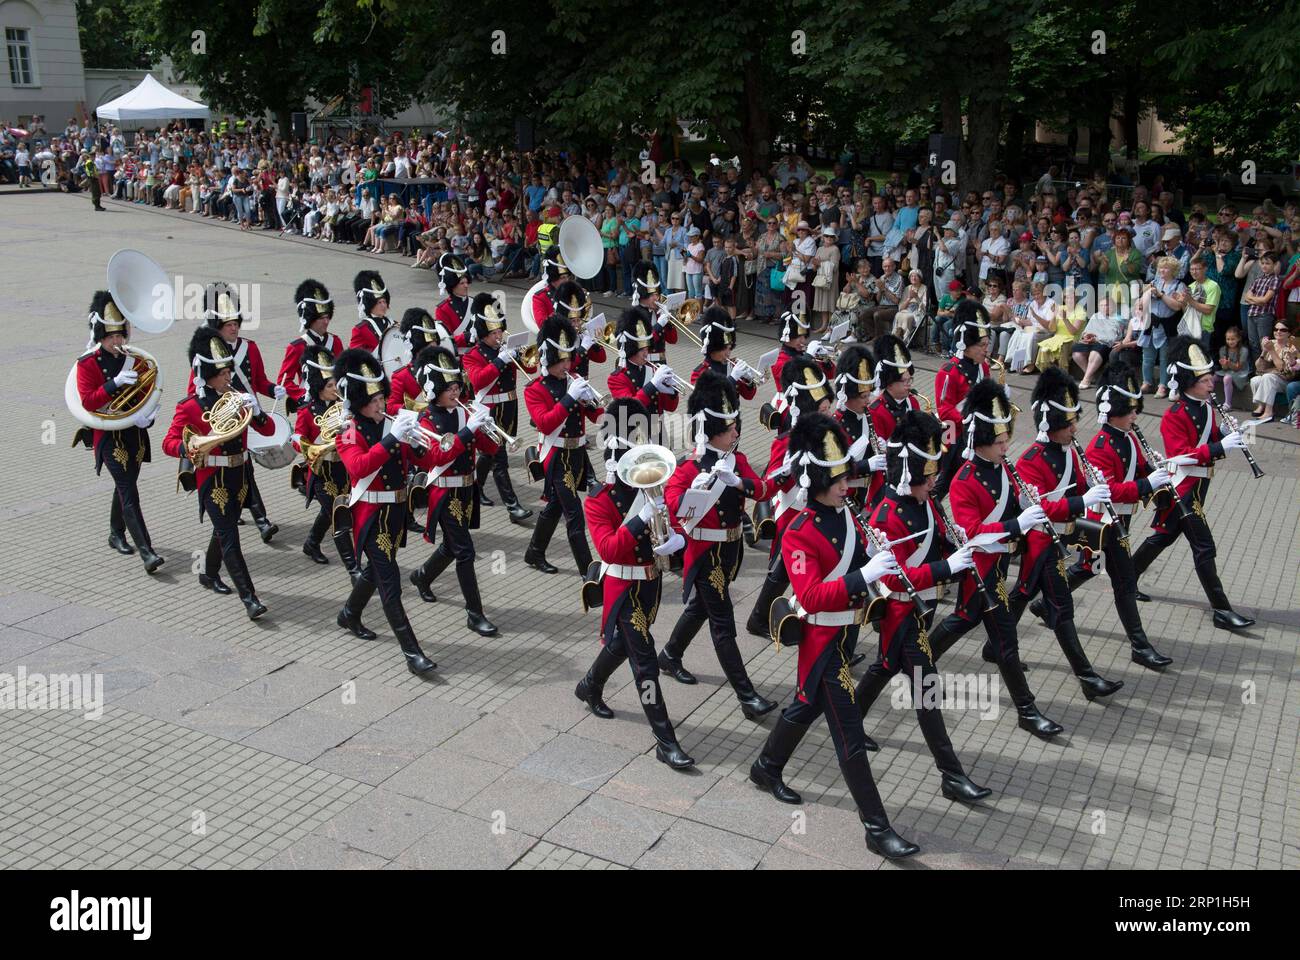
(394, 351)
(274, 451)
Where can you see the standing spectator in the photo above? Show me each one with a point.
(675, 244)
(1203, 297)
(1222, 258)
(694, 265)
(826, 279)
(888, 289)
(878, 227)
(610, 228)
(771, 253)
(994, 251)
(1168, 299)
(1260, 298)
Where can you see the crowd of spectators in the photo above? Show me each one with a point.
(1071, 271)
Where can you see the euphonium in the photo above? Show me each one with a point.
(648, 467)
(330, 424)
(146, 391)
(228, 418)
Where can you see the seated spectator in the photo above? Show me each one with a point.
(914, 307)
(1277, 366)
(1104, 329)
(1234, 359)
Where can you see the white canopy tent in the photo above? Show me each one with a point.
(150, 100)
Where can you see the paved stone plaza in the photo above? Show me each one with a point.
(288, 743)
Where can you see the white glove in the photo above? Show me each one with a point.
(650, 508)
(859, 448)
(813, 348)
(1095, 495)
(663, 379)
(701, 481)
(280, 392)
(577, 388)
(728, 477)
(671, 545)
(586, 342)
(506, 354)
(1032, 516)
(126, 378)
(877, 463)
(882, 564)
(1160, 477)
(963, 559)
(404, 431)
(735, 373)
(1234, 441)
(478, 419)
(142, 419)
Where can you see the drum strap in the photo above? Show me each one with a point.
(241, 352)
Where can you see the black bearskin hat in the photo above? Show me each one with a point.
(645, 281)
(1121, 390)
(104, 317)
(624, 424)
(1187, 364)
(317, 369)
(914, 449)
(635, 331)
(714, 405)
(893, 359)
(419, 329)
(1055, 402)
(804, 386)
(555, 341)
(486, 315)
(819, 451)
(359, 376)
(794, 325)
(313, 302)
(436, 369)
(854, 373)
(571, 302)
(221, 305)
(370, 289)
(717, 330)
(986, 415)
(451, 269)
(971, 324)
(208, 354)
(553, 266)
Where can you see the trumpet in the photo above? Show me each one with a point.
(525, 358)
(491, 428)
(680, 385)
(423, 436)
(740, 370)
(690, 312)
(592, 398)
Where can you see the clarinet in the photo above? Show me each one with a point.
(881, 542)
(1094, 478)
(958, 537)
(1233, 426)
(1025, 490)
(1154, 458)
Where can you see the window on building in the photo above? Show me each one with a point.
(22, 70)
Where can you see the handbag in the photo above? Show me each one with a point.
(1190, 323)
(776, 279)
(793, 274)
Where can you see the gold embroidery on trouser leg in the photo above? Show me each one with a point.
(220, 496)
(384, 541)
(139, 453)
(457, 509)
(120, 454)
(331, 489)
(1060, 566)
(717, 577)
(1197, 508)
(1003, 597)
(923, 639)
(844, 675)
(640, 622)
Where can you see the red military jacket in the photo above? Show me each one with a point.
(953, 382)
(898, 517)
(660, 337)
(456, 461)
(885, 412)
(543, 305)
(254, 373)
(974, 497)
(402, 385)
(1042, 466)
(810, 558)
(306, 431)
(725, 514)
(94, 370)
(484, 369)
(551, 407)
(865, 484)
(616, 542)
(634, 381)
(451, 314)
(290, 375)
(783, 488)
(583, 359)
(367, 333)
(746, 390)
(1190, 427)
(364, 449)
(1113, 452)
(189, 413)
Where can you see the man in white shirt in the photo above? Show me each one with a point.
(993, 250)
(1146, 232)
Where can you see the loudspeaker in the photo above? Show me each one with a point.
(524, 134)
(942, 147)
(299, 123)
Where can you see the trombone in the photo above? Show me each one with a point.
(690, 313)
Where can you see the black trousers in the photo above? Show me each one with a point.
(222, 502)
(1048, 576)
(1199, 538)
(254, 502)
(380, 570)
(630, 639)
(830, 698)
(710, 601)
(125, 513)
(999, 622)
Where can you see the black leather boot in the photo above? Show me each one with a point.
(591, 688)
(117, 540)
(670, 658)
(347, 552)
(1094, 686)
(518, 512)
(1142, 653)
(416, 661)
(422, 577)
(581, 553)
(210, 578)
(117, 528)
(675, 669)
(350, 616)
(752, 704)
(238, 571)
(1225, 618)
(474, 618)
(1028, 717)
(959, 787)
(543, 530)
(989, 655)
(881, 838)
(667, 749)
(781, 743)
(214, 583)
(869, 688)
(758, 623)
(311, 546)
(955, 785)
(481, 469)
(140, 534)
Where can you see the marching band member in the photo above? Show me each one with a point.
(645, 293)
(804, 390)
(1051, 467)
(373, 301)
(918, 539)
(983, 501)
(420, 331)
(223, 315)
(1189, 428)
(491, 372)
(220, 476)
(378, 460)
(654, 388)
(556, 273)
(854, 382)
(560, 406)
(972, 332)
(315, 311)
(102, 373)
(452, 313)
(830, 583)
(717, 340)
(453, 497)
(326, 481)
(619, 518)
(714, 546)
(572, 305)
(1115, 453)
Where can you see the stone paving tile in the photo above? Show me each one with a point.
(504, 740)
(523, 802)
(548, 856)
(610, 829)
(695, 846)
(382, 823)
(322, 853)
(575, 761)
(16, 643)
(648, 783)
(443, 777)
(372, 755)
(739, 806)
(455, 841)
(302, 736)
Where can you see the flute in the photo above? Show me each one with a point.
(1024, 489)
(1155, 458)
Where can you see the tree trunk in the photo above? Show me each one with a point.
(756, 145)
(284, 123)
(950, 110)
(1017, 126)
(1132, 113)
(980, 150)
(1099, 145)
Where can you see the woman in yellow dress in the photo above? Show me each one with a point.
(1070, 321)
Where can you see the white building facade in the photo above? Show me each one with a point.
(42, 72)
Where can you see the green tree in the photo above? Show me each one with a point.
(108, 38)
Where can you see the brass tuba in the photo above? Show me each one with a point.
(331, 424)
(144, 394)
